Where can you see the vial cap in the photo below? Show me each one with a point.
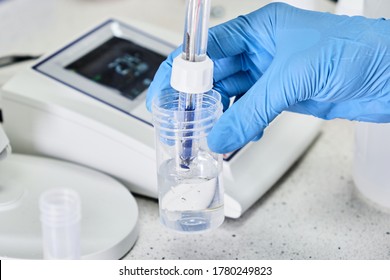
(192, 77)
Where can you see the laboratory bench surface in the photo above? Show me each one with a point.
(313, 212)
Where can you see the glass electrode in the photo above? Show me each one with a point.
(189, 173)
(194, 50)
(196, 30)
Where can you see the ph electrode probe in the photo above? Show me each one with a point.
(189, 174)
(192, 72)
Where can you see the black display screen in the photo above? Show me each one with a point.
(119, 64)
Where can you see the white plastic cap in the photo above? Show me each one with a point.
(192, 77)
(60, 207)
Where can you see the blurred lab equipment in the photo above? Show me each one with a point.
(12, 59)
(303, 4)
(350, 7)
(376, 8)
(5, 148)
(60, 218)
(372, 141)
(105, 234)
(85, 103)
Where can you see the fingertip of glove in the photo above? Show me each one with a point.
(220, 143)
(215, 144)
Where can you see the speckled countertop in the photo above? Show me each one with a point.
(313, 212)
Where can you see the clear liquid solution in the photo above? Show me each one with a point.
(191, 201)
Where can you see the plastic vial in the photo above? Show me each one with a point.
(371, 164)
(190, 193)
(60, 219)
(372, 150)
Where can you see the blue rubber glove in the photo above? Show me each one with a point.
(283, 58)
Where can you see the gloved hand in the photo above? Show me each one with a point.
(283, 58)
